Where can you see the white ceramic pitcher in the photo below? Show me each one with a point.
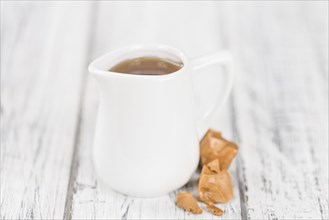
(148, 130)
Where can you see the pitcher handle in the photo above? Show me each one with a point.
(222, 58)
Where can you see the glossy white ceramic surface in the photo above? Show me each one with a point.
(148, 129)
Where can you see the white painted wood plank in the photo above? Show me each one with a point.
(121, 24)
(43, 65)
(281, 107)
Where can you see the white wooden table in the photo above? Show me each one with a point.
(277, 113)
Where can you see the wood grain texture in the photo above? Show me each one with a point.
(281, 107)
(277, 113)
(43, 64)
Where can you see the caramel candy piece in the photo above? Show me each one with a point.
(214, 146)
(215, 185)
(188, 203)
(214, 210)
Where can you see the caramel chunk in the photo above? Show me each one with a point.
(188, 203)
(215, 185)
(214, 146)
(214, 210)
